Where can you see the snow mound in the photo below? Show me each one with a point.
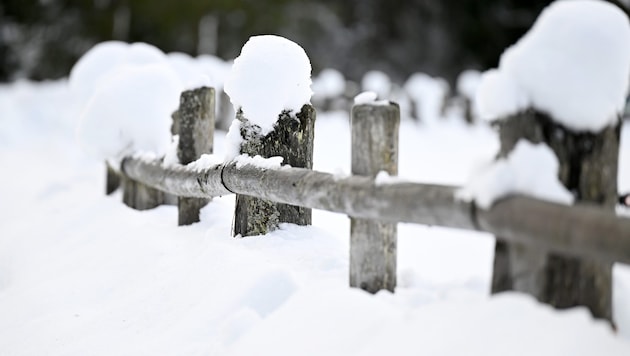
(366, 97)
(131, 111)
(104, 58)
(272, 74)
(189, 71)
(530, 169)
(377, 82)
(330, 83)
(429, 95)
(468, 83)
(574, 64)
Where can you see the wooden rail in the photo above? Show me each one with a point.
(580, 230)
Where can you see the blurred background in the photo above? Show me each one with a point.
(42, 39)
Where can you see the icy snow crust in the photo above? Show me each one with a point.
(530, 169)
(573, 64)
(270, 75)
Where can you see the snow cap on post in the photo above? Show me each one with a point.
(573, 64)
(271, 75)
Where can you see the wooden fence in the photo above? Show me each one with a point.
(582, 230)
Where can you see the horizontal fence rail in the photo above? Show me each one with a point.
(580, 230)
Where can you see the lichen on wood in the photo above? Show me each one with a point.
(588, 168)
(292, 139)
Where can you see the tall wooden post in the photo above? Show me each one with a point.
(372, 243)
(588, 168)
(292, 138)
(195, 126)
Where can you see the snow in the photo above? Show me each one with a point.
(274, 162)
(530, 169)
(383, 178)
(105, 57)
(366, 97)
(377, 82)
(272, 74)
(81, 274)
(429, 95)
(574, 64)
(204, 162)
(130, 111)
(330, 83)
(468, 83)
(233, 141)
(190, 73)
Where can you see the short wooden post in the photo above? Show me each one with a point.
(292, 139)
(139, 196)
(372, 243)
(112, 179)
(195, 126)
(588, 167)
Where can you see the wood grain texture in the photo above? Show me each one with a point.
(374, 132)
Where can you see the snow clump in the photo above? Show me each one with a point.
(272, 74)
(573, 64)
(530, 169)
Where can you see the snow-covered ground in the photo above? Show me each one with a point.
(81, 274)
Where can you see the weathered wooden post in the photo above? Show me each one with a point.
(374, 148)
(195, 126)
(139, 196)
(292, 139)
(588, 168)
(112, 179)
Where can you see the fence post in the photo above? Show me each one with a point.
(112, 179)
(588, 167)
(139, 196)
(195, 126)
(292, 138)
(372, 243)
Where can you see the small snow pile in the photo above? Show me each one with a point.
(329, 84)
(367, 97)
(429, 95)
(274, 162)
(272, 74)
(573, 64)
(377, 82)
(530, 169)
(468, 83)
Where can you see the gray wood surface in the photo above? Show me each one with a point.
(588, 168)
(195, 127)
(581, 230)
(292, 139)
(374, 133)
(112, 179)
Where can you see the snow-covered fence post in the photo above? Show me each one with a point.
(292, 139)
(195, 126)
(374, 129)
(269, 85)
(588, 168)
(571, 105)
